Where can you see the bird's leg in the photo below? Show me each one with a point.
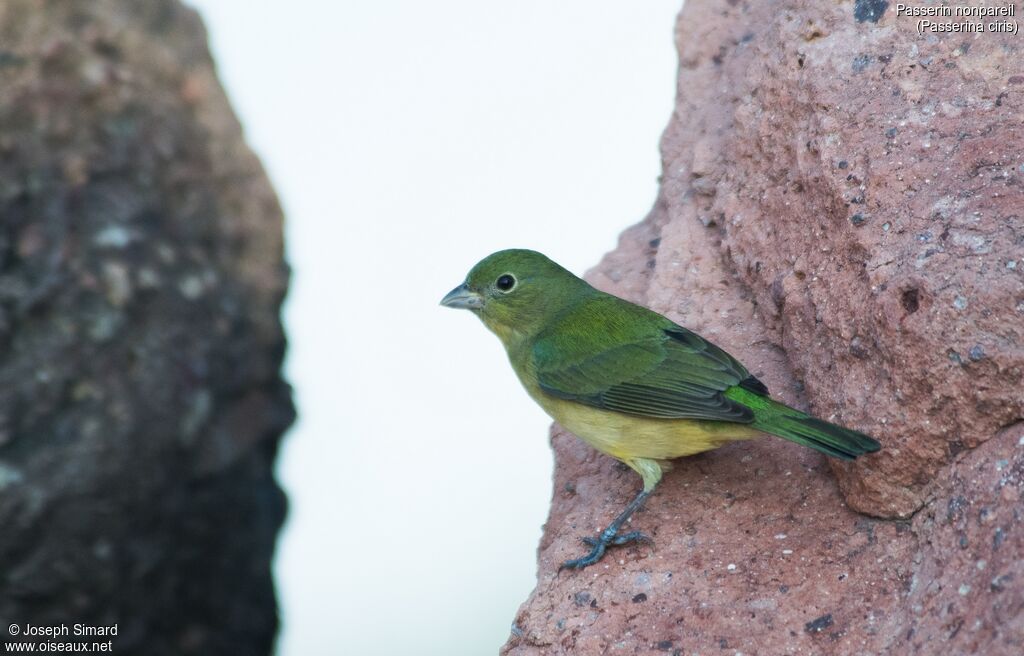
(610, 536)
(650, 471)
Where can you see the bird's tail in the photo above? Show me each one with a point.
(796, 426)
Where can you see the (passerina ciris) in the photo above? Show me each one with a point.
(626, 380)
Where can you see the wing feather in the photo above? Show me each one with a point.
(617, 356)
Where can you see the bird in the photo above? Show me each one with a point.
(629, 382)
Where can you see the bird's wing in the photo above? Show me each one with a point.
(627, 359)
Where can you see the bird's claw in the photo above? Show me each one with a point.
(619, 540)
(600, 544)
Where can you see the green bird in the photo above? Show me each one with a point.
(626, 380)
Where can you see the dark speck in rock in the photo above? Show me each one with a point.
(999, 583)
(869, 10)
(997, 538)
(860, 62)
(955, 508)
(891, 133)
(819, 624)
(858, 219)
(843, 164)
(976, 353)
(911, 300)
(640, 598)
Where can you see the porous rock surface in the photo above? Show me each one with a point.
(841, 208)
(141, 275)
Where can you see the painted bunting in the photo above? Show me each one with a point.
(626, 380)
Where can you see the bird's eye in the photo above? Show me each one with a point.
(506, 282)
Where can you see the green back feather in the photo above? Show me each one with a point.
(611, 354)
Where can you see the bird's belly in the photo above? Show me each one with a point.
(625, 436)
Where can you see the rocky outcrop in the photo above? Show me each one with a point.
(141, 276)
(841, 208)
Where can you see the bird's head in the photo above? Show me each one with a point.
(516, 292)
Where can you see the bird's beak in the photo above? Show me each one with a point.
(464, 298)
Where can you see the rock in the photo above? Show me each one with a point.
(865, 185)
(141, 277)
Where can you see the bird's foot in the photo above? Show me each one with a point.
(608, 538)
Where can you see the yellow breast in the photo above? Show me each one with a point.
(628, 437)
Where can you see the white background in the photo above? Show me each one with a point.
(407, 140)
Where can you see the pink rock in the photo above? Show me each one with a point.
(841, 209)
